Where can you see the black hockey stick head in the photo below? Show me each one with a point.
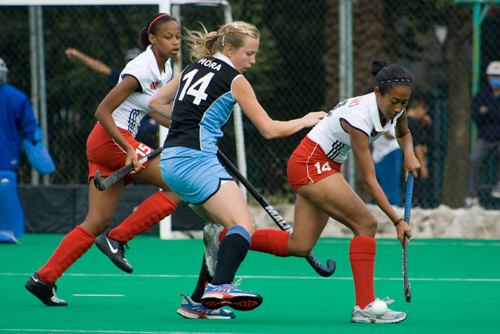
(330, 267)
(101, 184)
(407, 289)
(98, 181)
(319, 268)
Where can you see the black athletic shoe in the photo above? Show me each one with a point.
(115, 251)
(43, 291)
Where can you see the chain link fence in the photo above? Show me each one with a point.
(296, 72)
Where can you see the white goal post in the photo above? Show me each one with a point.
(164, 6)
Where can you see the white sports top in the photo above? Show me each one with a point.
(361, 113)
(384, 146)
(144, 68)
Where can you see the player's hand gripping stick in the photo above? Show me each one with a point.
(122, 172)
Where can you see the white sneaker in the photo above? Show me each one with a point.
(211, 234)
(495, 192)
(367, 315)
(471, 202)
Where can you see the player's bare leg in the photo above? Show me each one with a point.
(150, 212)
(345, 206)
(229, 207)
(76, 243)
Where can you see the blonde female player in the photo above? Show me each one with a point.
(322, 192)
(110, 146)
(204, 95)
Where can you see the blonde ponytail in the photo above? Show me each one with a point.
(203, 44)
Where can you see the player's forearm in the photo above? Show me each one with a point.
(379, 197)
(279, 129)
(160, 119)
(110, 127)
(276, 129)
(162, 109)
(94, 64)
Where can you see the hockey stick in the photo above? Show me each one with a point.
(408, 199)
(282, 224)
(122, 172)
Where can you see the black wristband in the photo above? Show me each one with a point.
(396, 223)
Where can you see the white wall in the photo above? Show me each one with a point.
(441, 222)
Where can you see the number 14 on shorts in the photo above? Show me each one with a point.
(323, 168)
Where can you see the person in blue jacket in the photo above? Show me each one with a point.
(17, 121)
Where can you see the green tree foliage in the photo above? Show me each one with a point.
(296, 70)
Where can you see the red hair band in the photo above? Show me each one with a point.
(155, 20)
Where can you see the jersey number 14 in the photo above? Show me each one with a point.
(197, 89)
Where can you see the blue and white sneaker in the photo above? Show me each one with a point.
(211, 234)
(193, 310)
(367, 315)
(8, 236)
(216, 296)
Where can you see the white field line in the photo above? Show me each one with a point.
(421, 242)
(32, 330)
(430, 279)
(95, 295)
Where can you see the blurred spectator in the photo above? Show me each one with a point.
(388, 160)
(17, 121)
(418, 120)
(486, 114)
(99, 66)
(149, 127)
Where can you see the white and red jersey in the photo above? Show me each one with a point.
(360, 112)
(144, 68)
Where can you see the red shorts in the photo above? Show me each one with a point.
(309, 163)
(104, 154)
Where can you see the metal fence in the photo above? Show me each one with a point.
(297, 71)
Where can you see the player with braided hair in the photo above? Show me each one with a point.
(322, 192)
(110, 146)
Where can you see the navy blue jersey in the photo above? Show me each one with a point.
(203, 104)
(488, 122)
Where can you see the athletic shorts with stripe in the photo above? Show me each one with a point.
(104, 154)
(192, 174)
(309, 163)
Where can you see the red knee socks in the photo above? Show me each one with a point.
(362, 256)
(150, 212)
(267, 241)
(72, 247)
